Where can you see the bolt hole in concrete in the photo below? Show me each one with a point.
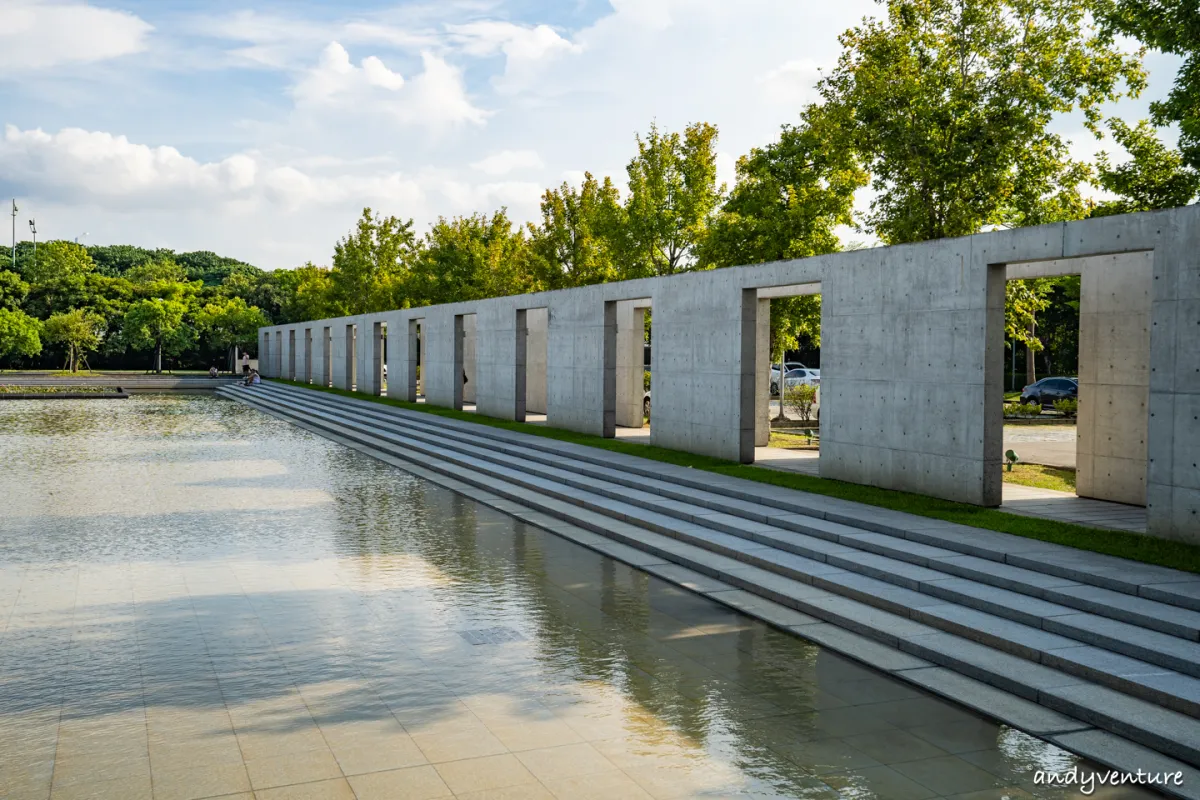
(198, 600)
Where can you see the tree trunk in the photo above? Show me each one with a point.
(71, 358)
(1030, 366)
(158, 357)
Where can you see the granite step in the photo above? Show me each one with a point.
(1013, 592)
(1166, 731)
(1074, 647)
(1121, 576)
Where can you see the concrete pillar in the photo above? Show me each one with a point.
(277, 355)
(264, 355)
(308, 356)
(459, 370)
(421, 360)
(520, 376)
(348, 348)
(536, 320)
(1114, 377)
(470, 357)
(631, 362)
(369, 356)
(291, 351)
(325, 373)
(609, 381)
(762, 374)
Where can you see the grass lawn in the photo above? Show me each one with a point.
(791, 441)
(1040, 477)
(1178, 555)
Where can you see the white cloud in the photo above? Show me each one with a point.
(507, 161)
(39, 35)
(434, 98)
(793, 82)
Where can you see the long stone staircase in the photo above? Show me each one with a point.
(1098, 654)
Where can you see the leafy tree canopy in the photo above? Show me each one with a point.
(948, 103)
(579, 241)
(19, 334)
(13, 290)
(371, 264)
(468, 258)
(78, 331)
(1153, 177)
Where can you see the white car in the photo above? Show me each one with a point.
(802, 377)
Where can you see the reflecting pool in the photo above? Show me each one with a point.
(198, 600)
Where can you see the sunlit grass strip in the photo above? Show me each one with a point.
(1042, 477)
(1146, 549)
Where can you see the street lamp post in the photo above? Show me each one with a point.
(33, 227)
(14, 239)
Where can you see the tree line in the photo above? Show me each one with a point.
(942, 108)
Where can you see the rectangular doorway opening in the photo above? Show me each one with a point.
(308, 356)
(787, 377)
(633, 372)
(1075, 389)
(291, 373)
(533, 327)
(465, 346)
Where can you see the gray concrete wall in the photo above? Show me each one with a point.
(762, 375)
(912, 357)
(369, 355)
(308, 355)
(469, 358)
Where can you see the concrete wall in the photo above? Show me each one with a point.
(912, 357)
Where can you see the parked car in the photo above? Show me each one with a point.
(802, 377)
(790, 366)
(1047, 390)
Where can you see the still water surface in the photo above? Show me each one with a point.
(197, 600)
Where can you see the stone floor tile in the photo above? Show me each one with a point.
(564, 761)
(534, 735)
(526, 791)
(948, 775)
(441, 747)
(257, 744)
(390, 752)
(194, 783)
(488, 772)
(880, 782)
(894, 747)
(598, 786)
(96, 767)
(135, 787)
(282, 770)
(337, 789)
(414, 783)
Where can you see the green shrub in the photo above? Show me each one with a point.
(799, 399)
(1022, 410)
(1068, 407)
(646, 381)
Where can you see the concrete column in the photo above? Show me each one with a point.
(264, 355)
(339, 374)
(325, 373)
(369, 356)
(308, 356)
(459, 369)
(349, 346)
(535, 361)
(762, 374)
(1114, 377)
(520, 377)
(631, 362)
(291, 351)
(470, 359)
(609, 380)
(422, 362)
(401, 357)
(277, 355)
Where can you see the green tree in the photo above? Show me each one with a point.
(116, 259)
(78, 331)
(469, 258)
(152, 272)
(578, 241)
(13, 290)
(212, 269)
(157, 324)
(1154, 176)
(1172, 26)
(229, 323)
(372, 263)
(59, 262)
(673, 195)
(19, 334)
(307, 293)
(948, 104)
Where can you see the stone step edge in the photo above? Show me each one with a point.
(1140, 618)
(1153, 660)
(981, 667)
(923, 530)
(1109, 749)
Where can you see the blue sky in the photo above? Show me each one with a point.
(260, 130)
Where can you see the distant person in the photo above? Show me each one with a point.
(213, 372)
(245, 363)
